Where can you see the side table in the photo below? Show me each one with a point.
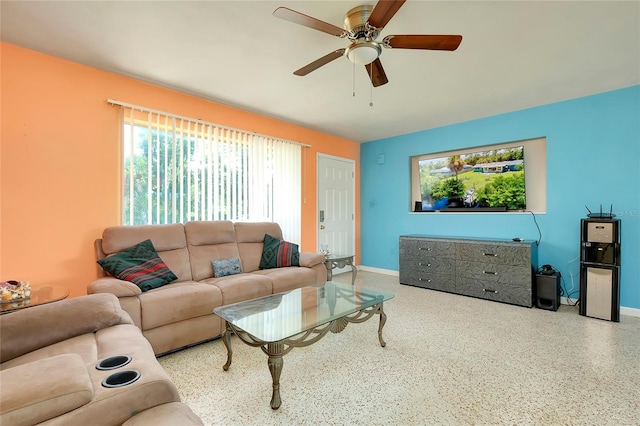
(39, 296)
(333, 261)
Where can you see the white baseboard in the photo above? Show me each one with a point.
(565, 301)
(631, 312)
(378, 270)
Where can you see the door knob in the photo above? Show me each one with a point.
(321, 226)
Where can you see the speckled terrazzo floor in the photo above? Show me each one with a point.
(449, 360)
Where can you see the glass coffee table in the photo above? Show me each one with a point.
(280, 322)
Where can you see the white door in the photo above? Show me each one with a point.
(336, 206)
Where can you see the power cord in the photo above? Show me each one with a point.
(571, 291)
(537, 226)
(567, 295)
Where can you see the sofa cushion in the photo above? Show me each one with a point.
(83, 345)
(169, 241)
(241, 287)
(285, 279)
(250, 238)
(41, 390)
(140, 265)
(164, 237)
(277, 253)
(208, 240)
(225, 267)
(178, 302)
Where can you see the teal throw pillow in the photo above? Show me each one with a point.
(225, 267)
(277, 253)
(140, 265)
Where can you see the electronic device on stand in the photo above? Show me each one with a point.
(600, 266)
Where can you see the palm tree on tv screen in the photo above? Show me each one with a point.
(456, 164)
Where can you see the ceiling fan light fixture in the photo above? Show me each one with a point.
(361, 27)
(363, 53)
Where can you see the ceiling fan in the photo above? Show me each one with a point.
(362, 25)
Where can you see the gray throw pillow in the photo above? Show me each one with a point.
(225, 267)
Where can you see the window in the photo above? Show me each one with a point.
(177, 169)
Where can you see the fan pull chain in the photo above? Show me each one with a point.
(371, 88)
(354, 79)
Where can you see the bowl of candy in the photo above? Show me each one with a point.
(14, 291)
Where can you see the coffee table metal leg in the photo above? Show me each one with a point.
(354, 271)
(226, 338)
(275, 363)
(383, 320)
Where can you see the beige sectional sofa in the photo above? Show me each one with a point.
(48, 374)
(180, 313)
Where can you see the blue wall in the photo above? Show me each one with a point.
(593, 158)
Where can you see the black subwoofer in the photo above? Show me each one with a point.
(548, 291)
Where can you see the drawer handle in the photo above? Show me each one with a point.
(422, 279)
(490, 254)
(424, 248)
(424, 264)
(487, 290)
(489, 272)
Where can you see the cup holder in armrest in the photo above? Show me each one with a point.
(113, 362)
(121, 378)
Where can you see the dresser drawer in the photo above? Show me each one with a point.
(419, 248)
(506, 254)
(514, 293)
(431, 281)
(436, 266)
(428, 265)
(493, 272)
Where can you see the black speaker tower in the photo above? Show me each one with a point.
(548, 290)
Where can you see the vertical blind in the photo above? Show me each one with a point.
(178, 169)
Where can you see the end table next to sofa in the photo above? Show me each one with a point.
(333, 261)
(39, 296)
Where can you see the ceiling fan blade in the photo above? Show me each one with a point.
(307, 21)
(376, 73)
(383, 12)
(426, 42)
(319, 62)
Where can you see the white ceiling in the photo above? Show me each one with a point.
(514, 55)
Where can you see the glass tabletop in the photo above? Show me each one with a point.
(39, 296)
(332, 256)
(280, 316)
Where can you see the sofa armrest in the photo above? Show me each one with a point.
(33, 328)
(119, 288)
(309, 260)
(41, 390)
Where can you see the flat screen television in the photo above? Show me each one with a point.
(490, 180)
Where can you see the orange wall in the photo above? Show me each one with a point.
(60, 162)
